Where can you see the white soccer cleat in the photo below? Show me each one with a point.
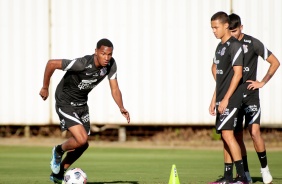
(266, 176)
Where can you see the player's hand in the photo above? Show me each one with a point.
(212, 109)
(125, 113)
(255, 84)
(44, 93)
(222, 106)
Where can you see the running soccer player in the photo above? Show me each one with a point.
(251, 110)
(227, 70)
(82, 75)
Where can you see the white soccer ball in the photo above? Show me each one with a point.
(75, 176)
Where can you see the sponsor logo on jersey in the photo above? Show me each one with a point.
(248, 41)
(220, 72)
(89, 66)
(251, 108)
(85, 118)
(94, 74)
(235, 122)
(63, 123)
(246, 69)
(87, 84)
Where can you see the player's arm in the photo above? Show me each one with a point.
(213, 104)
(117, 96)
(274, 64)
(238, 73)
(213, 101)
(51, 66)
(214, 71)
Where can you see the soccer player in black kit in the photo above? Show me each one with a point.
(250, 110)
(82, 75)
(227, 70)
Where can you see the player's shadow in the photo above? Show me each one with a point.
(259, 180)
(114, 182)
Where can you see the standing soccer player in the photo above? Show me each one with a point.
(82, 75)
(251, 110)
(227, 70)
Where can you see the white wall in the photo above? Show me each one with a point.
(163, 49)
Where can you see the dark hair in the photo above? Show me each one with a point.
(221, 16)
(104, 42)
(235, 21)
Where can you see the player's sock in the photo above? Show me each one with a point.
(262, 158)
(240, 168)
(228, 171)
(59, 149)
(245, 162)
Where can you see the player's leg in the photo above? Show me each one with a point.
(238, 132)
(261, 152)
(75, 120)
(228, 162)
(225, 124)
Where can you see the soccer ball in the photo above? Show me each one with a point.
(75, 176)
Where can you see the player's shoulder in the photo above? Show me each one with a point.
(234, 43)
(248, 39)
(88, 57)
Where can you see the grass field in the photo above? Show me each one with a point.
(30, 165)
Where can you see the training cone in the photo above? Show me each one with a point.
(173, 179)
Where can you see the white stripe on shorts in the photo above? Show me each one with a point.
(227, 118)
(69, 117)
(255, 117)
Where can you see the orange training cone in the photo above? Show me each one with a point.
(173, 179)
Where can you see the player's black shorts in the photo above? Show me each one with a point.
(73, 115)
(227, 120)
(250, 111)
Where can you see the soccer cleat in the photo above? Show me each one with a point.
(221, 180)
(56, 178)
(55, 161)
(266, 176)
(249, 178)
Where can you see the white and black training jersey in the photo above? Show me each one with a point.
(227, 55)
(253, 48)
(80, 78)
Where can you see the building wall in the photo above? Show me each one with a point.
(163, 49)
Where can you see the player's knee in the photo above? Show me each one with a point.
(82, 140)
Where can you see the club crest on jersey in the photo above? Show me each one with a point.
(103, 71)
(245, 47)
(222, 52)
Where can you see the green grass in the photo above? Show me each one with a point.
(30, 165)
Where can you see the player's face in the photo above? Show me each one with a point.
(104, 55)
(218, 28)
(236, 32)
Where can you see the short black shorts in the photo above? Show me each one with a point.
(73, 115)
(227, 120)
(250, 111)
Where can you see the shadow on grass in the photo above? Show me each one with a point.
(115, 182)
(259, 180)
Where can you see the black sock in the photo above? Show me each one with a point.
(240, 168)
(228, 171)
(262, 159)
(245, 161)
(59, 149)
